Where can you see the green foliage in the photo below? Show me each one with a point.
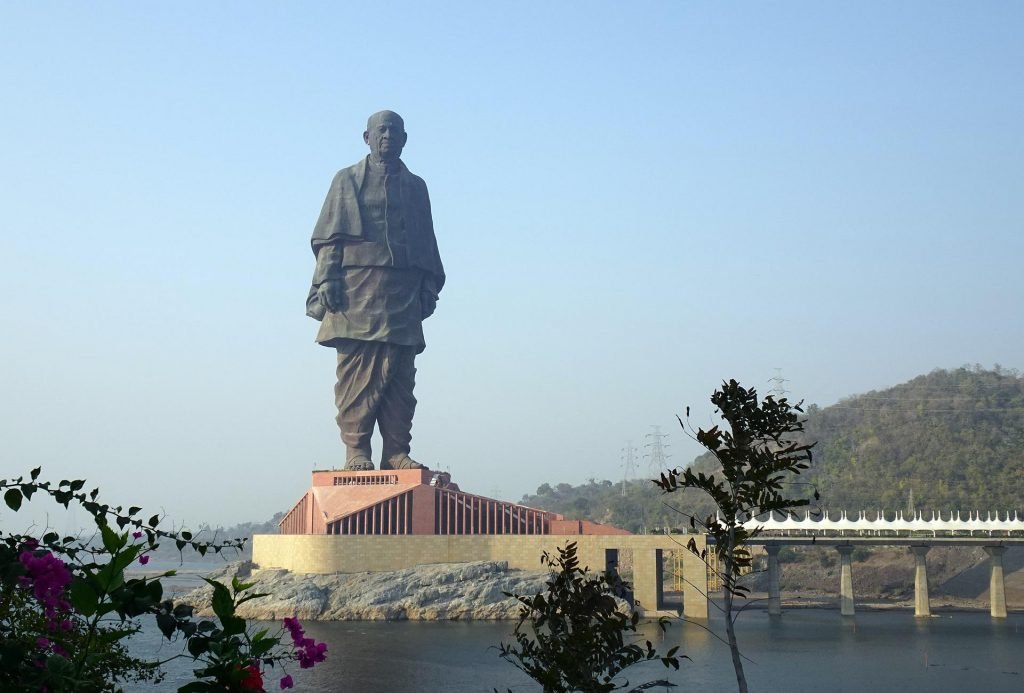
(635, 506)
(952, 438)
(758, 451)
(66, 606)
(573, 637)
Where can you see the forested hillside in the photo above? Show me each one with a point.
(952, 439)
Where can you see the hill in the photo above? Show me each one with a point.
(951, 439)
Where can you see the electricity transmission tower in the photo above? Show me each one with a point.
(657, 457)
(629, 463)
(778, 384)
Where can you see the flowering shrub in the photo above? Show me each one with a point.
(66, 608)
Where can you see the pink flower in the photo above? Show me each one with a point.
(49, 579)
(310, 652)
(42, 643)
(307, 650)
(136, 535)
(293, 626)
(287, 682)
(143, 559)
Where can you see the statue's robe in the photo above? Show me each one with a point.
(385, 263)
(375, 237)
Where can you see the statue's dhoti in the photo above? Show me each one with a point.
(375, 384)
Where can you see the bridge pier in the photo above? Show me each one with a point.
(845, 580)
(996, 583)
(922, 605)
(774, 596)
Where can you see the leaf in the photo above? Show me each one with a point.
(83, 597)
(167, 624)
(221, 601)
(197, 646)
(111, 541)
(13, 499)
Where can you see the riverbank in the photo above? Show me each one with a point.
(883, 580)
(437, 592)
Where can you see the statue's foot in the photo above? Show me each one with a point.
(360, 463)
(401, 461)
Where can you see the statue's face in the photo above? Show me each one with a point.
(386, 136)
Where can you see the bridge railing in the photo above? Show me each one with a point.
(822, 524)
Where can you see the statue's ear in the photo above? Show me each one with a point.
(366, 136)
(405, 137)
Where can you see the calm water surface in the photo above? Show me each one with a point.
(806, 651)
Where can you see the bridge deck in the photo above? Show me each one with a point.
(881, 541)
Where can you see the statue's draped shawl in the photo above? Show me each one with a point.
(341, 219)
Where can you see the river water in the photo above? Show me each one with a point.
(806, 651)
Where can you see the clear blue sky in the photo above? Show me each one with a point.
(633, 201)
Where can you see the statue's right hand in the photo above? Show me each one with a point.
(331, 295)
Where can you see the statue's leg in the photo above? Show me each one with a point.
(397, 407)
(358, 394)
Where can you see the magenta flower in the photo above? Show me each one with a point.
(144, 559)
(307, 650)
(287, 682)
(49, 579)
(136, 535)
(310, 652)
(293, 626)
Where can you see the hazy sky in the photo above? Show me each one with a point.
(633, 201)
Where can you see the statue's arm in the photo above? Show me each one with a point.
(326, 291)
(432, 281)
(428, 295)
(336, 222)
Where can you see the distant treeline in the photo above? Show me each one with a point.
(952, 439)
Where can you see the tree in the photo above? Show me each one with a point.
(573, 638)
(757, 451)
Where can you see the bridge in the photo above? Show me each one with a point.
(994, 533)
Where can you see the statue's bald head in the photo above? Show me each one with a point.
(384, 117)
(385, 134)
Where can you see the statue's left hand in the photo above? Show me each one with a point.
(332, 295)
(428, 303)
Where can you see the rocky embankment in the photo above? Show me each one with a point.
(440, 592)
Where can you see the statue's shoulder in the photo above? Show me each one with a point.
(415, 180)
(352, 172)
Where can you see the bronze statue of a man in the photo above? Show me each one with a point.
(377, 277)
